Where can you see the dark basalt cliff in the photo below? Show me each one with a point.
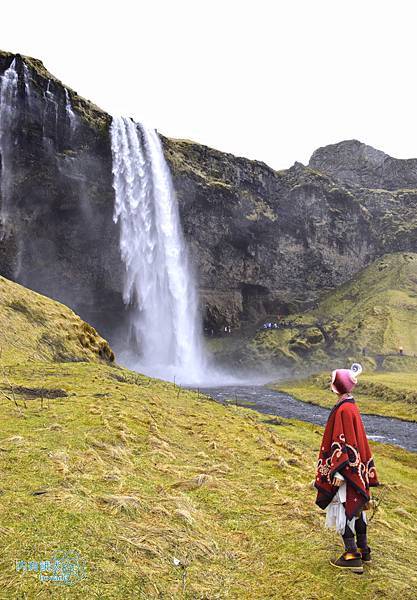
(58, 236)
(262, 241)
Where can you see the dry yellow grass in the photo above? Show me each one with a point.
(166, 494)
(144, 477)
(33, 327)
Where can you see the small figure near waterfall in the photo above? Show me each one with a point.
(345, 472)
(271, 326)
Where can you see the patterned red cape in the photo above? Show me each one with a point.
(345, 448)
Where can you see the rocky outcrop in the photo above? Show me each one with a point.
(262, 242)
(353, 163)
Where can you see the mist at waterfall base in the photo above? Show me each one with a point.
(164, 323)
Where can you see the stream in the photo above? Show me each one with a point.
(262, 399)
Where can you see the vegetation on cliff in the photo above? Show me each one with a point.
(370, 318)
(40, 76)
(165, 493)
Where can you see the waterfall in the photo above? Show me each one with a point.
(69, 111)
(8, 100)
(50, 118)
(26, 79)
(159, 286)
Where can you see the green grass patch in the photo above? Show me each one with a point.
(368, 318)
(390, 394)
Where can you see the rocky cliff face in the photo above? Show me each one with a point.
(353, 163)
(58, 236)
(270, 242)
(262, 241)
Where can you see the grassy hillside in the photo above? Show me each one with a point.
(375, 312)
(166, 494)
(33, 327)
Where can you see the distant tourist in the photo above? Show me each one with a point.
(345, 472)
(401, 351)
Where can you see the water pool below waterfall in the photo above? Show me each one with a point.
(262, 399)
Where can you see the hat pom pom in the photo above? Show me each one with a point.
(356, 369)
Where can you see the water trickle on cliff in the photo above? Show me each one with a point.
(8, 99)
(26, 79)
(68, 109)
(159, 286)
(50, 118)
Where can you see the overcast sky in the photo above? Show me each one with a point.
(266, 79)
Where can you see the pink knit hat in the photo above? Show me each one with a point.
(344, 380)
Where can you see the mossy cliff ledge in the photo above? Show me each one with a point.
(263, 241)
(34, 328)
(371, 317)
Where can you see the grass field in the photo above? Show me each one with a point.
(166, 494)
(133, 473)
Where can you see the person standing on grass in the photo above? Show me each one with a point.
(345, 472)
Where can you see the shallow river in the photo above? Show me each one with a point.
(264, 400)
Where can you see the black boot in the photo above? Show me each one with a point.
(366, 554)
(351, 561)
(361, 539)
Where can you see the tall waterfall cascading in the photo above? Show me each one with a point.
(159, 285)
(8, 98)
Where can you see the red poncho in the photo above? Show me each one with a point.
(345, 449)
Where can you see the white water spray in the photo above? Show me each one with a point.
(8, 98)
(158, 284)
